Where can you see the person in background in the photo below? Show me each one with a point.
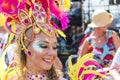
(35, 49)
(115, 66)
(101, 42)
(116, 61)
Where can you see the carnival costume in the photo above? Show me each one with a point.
(35, 14)
(86, 68)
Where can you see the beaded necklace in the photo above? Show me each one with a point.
(35, 76)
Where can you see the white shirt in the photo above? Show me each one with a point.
(117, 57)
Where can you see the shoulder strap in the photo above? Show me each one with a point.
(109, 33)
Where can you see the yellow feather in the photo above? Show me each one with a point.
(30, 12)
(67, 4)
(61, 34)
(2, 20)
(71, 69)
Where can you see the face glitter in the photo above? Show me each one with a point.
(36, 46)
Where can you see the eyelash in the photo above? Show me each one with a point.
(43, 46)
(56, 47)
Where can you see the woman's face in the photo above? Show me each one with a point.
(43, 51)
(105, 27)
(101, 29)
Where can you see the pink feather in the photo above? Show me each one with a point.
(45, 4)
(89, 77)
(0, 5)
(11, 6)
(90, 62)
(54, 25)
(61, 15)
(80, 71)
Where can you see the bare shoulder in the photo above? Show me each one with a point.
(86, 41)
(114, 33)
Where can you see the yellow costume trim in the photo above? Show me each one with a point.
(21, 40)
(12, 35)
(44, 31)
(30, 12)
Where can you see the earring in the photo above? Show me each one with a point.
(29, 53)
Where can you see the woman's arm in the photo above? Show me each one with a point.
(84, 49)
(116, 40)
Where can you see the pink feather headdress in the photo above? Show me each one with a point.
(12, 7)
(35, 13)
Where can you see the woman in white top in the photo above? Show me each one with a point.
(115, 72)
(116, 60)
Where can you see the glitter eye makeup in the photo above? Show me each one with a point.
(42, 45)
(38, 47)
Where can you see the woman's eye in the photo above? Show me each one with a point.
(42, 45)
(56, 47)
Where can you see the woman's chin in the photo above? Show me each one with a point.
(47, 67)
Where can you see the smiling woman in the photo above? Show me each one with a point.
(39, 57)
(36, 38)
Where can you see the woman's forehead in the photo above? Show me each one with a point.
(44, 37)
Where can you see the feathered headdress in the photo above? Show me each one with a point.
(81, 70)
(35, 14)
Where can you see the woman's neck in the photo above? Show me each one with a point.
(99, 34)
(99, 37)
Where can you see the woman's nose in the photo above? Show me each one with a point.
(52, 51)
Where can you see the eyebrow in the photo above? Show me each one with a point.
(46, 41)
